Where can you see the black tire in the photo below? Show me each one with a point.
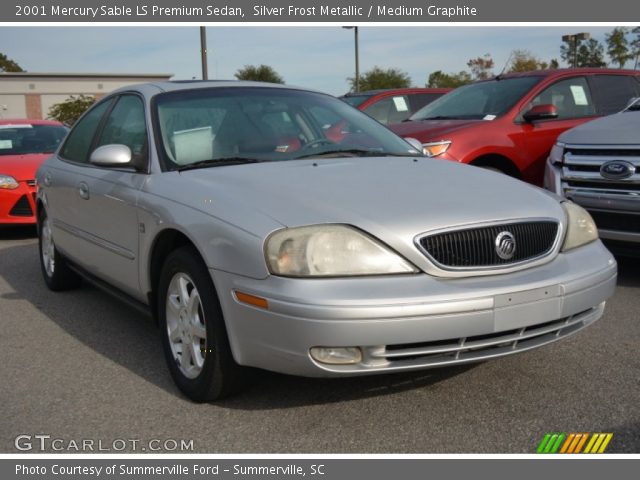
(55, 270)
(219, 375)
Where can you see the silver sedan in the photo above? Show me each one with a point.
(273, 227)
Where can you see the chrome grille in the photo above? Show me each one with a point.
(476, 247)
(581, 171)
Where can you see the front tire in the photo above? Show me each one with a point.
(55, 271)
(194, 337)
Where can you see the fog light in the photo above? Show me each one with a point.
(336, 355)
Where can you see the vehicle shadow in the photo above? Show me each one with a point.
(131, 339)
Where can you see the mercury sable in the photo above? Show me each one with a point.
(273, 227)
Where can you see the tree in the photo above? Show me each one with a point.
(635, 46)
(591, 54)
(568, 51)
(618, 46)
(525, 61)
(70, 110)
(8, 65)
(481, 67)
(262, 73)
(554, 64)
(439, 79)
(377, 78)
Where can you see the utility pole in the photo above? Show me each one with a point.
(203, 53)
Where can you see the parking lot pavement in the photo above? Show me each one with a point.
(80, 365)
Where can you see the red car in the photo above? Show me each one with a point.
(510, 123)
(24, 145)
(393, 105)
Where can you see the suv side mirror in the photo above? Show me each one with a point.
(114, 155)
(540, 112)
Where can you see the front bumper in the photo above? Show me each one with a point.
(17, 207)
(414, 321)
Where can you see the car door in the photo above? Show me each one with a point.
(58, 180)
(574, 104)
(107, 199)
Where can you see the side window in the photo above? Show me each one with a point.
(390, 109)
(571, 97)
(613, 92)
(76, 148)
(126, 125)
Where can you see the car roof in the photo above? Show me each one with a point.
(566, 71)
(28, 121)
(177, 85)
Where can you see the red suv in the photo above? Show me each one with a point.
(510, 123)
(394, 105)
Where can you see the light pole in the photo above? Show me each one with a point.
(575, 38)
(355, 32)
(203, 53)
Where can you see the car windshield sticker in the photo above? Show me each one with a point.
(489, 117)
(4, 144)
(579, 95)
(401, 104)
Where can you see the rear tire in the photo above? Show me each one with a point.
(194, 337)
(55, 271)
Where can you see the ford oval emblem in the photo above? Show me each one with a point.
(505, 245)
(617, 169)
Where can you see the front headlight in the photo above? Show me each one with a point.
(7, 182)
(581, 229)
(433, 149)
(557, 152)
(330, 251)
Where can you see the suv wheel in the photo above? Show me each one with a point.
(194, 336)
(57, 274)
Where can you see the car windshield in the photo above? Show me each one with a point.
(478, 101)
(355, 100)
(231, 125)
(22, 139)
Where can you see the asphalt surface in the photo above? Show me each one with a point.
(81, 365)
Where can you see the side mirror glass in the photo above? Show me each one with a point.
(540, 112)
(114, 155)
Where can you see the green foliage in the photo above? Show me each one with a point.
(378, 78)
(618, 46)
(439, 79)
(481, 67)
(591, 54)
(261, 73)
(70, 110)
(8, 65)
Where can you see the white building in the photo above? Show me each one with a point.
(30, 95)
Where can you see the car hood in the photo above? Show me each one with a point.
(430, 130)
(22, 167)
(620, 128)
(393, 198)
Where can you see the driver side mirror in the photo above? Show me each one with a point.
(114, 155)
(540, 112)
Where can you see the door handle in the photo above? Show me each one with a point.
(83, 190)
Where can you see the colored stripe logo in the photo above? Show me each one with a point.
(574, 443)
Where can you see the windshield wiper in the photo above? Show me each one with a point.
(218, 162)
(437, 117)
(355, 152)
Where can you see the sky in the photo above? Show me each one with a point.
(320, 58)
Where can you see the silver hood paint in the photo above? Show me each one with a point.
(617, 129)
(392, 198)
